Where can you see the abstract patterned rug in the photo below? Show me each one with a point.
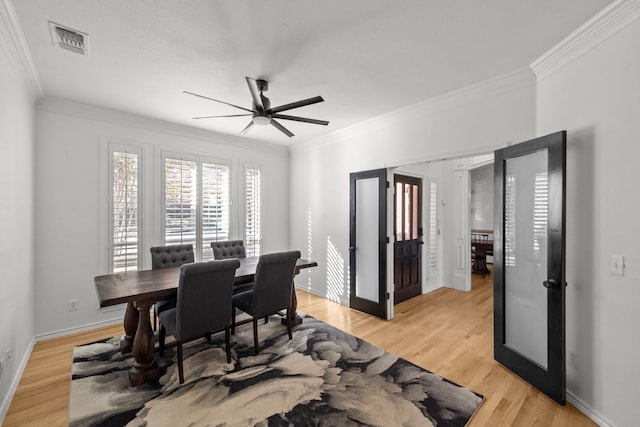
(323, 377)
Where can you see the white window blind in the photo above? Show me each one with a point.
(196, 203)
(433, 227)
(180, 192)
(125, 210)
(215, 206)
(253, 211)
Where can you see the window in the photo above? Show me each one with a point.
(196, 203)
(253, 210)
(124, 203)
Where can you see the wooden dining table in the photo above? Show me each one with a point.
(140, 290)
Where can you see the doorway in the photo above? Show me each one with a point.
(407, 246)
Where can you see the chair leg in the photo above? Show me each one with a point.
(180, 368)
(233, 321)
(289, 323)
(266, 319)
(161, 336)
(155, 317)
(255, 335)
(227, 342)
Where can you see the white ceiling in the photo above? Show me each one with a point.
(364, 57)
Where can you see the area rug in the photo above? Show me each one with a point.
(323, 377)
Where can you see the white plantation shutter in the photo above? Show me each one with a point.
(433, 227)
(196, 203)
(215, 206)
(253, 211)
(180, 202)
(125, 210)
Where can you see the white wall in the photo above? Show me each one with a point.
(596, 98)
(473, 120)
(17, 136)
(71, 200)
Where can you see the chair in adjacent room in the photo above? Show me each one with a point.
(203, 306)
(166, 257)
(272, 290)
(225, 249)
(479, 245)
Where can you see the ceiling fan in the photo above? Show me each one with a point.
(262, 113)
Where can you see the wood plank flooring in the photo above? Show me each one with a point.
(447, 331)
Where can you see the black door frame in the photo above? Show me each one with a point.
(551, 381)
(379, 308)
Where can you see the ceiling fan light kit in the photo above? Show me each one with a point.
(262, 114)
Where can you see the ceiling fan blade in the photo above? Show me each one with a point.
(281, 128)
(246, 129)
(217, 100)
(230, 115)
(297, 104)
(300, 119)
(255, 93)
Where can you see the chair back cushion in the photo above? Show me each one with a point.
(204, 298)
(171, 256)
(228, 249)
(274, 282)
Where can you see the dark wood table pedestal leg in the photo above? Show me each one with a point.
(130, 327)
(144, 368)
(295, 319)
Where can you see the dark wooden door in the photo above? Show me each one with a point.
(529, 262)
(368, 242)
(407, 246)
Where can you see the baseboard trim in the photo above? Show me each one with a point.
(585, 409)
(76, 329)
(16, 380)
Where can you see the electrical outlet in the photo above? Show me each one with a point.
(9, 355)
(72, 305)
(573, 359)
(616, 265)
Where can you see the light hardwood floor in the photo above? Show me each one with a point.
(448, 332)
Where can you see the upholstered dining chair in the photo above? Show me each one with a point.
(273, 286)
(203, 306)
(166, 257)
(225, 249)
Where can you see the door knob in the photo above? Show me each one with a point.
(551, 283)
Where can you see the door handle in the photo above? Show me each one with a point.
(351, 249)
(551, 283)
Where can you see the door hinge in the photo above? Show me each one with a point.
(387, 239)
(388, 184)
(388, 296)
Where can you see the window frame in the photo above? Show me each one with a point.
(199, 159)
(243, 212)
(109, 148)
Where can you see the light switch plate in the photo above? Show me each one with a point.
(616, 265)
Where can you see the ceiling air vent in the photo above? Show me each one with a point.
(69, 39)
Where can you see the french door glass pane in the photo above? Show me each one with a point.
(367, 237)
(525, 251)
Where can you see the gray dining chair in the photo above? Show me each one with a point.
(203, 306)
(272, 290)
(166, 257)
(225, 249)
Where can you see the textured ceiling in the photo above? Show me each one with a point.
(365, 57)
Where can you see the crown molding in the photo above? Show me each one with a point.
(122, 118)
(605, 24)
(11, 31)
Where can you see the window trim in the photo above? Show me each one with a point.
(108, 147)
(199, 159)
(242, 213)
